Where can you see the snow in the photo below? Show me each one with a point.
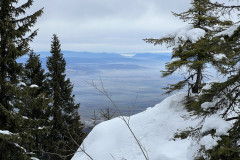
(209, 142)
(128, 55)
(175, 59)
(207, 86)
(195, 34)
(210, 83)
(17, 145)
(215, 122)
(187, 33)
(25, 117)
(155, 129)
(218, 57)
(5, 132)
(207, 105)
(41, 127)
(21, 84)
(34, 86)
(228, 31)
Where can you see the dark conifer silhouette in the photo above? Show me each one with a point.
(65, 125)
(14, 28)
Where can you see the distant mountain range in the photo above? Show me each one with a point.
(125, 75)
(103, 58)
(102, 55)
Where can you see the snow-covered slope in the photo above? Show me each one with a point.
(155, 128)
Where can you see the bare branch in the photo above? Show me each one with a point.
(112, 156)
(82, 149)
(105, 93)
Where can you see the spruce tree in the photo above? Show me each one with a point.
(219, 47)
(191, 45)
(224, 96)
(220, 100)
(35, 102)
(65, 124)
(34, 73)
(15, 34)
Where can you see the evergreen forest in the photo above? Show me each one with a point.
(39, 117)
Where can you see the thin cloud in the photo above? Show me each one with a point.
(107, 25)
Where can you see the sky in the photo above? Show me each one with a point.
(106, 25)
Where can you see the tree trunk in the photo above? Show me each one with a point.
(195, 88)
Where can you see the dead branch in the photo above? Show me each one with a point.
(103, 91)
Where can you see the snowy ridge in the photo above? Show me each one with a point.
(155, 128)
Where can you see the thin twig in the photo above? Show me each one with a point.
(133, 106)
(105, 93)
(112, 156)
(82, 149)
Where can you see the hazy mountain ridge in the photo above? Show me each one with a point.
(126, 77)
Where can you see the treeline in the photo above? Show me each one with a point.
(38, 116)
(211, 40)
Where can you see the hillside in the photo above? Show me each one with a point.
(155, 128)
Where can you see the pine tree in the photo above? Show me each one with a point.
(66, 125)
(14, 28)
(192, 48)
